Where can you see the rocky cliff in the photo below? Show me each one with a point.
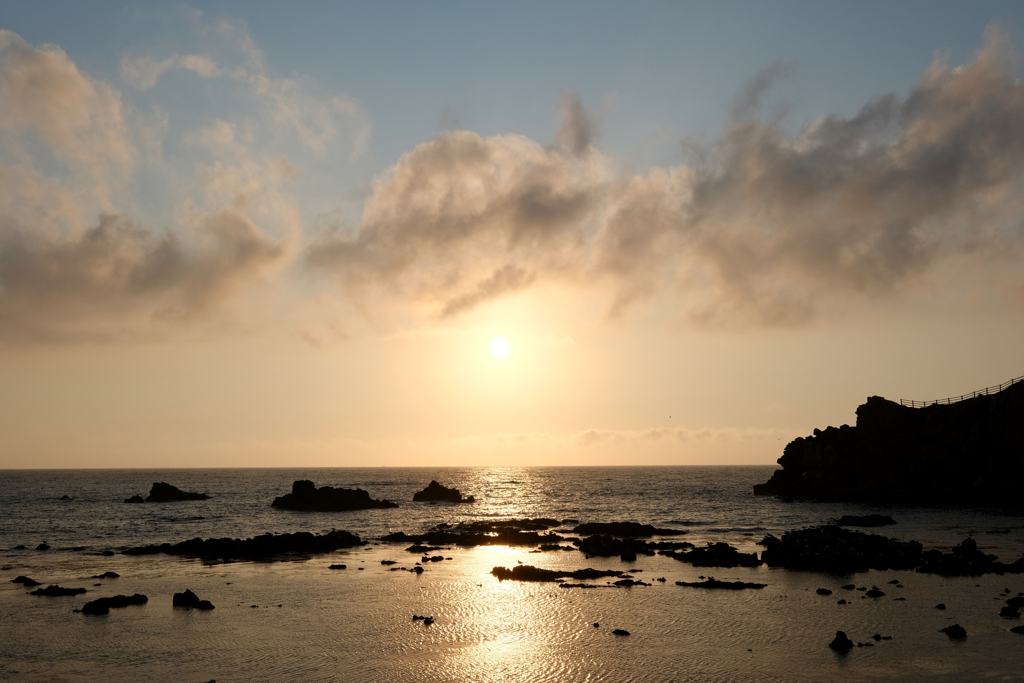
(970, 452)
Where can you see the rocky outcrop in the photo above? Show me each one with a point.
(162, 492)
(841, 643)
(55, 591)
(306, 497)
(25, 581)
(260, 547)
(190, 600)
(104, 605)
(436, 491)
(970, 452)
(716, 555)
(839, 551)
(712, 582)
(624, 530)
(526, 572)
(135, 499)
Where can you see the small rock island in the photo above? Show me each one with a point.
(306, 497)
(964, 452)
(436, 491)
(162, 492)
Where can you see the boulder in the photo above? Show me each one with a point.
(436, 491)
(306, 497)
(25, 581)
(841, 643)
(106, 575)
(190, 600)
(135, 499)
(165, 493)
(955, 632)
(620, 632)
(104, 605)
(43, 546)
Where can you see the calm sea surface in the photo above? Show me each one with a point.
(300, 621)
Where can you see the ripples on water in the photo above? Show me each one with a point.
(356, 625)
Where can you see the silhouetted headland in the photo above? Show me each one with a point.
(968, 451)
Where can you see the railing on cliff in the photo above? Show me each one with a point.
(956, 399)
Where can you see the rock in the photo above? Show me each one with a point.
(418, 570)
(596, 625)
(56, 591)
(470, 535)
(25, 581)
(1017, 629)
(955, 632)
(427, 621)
(436, 491)
(941, 605)
(966, 452)
(624, 530)
(866, 520)
(841, 643)
(823, 591)
(526, 572)
(186, 599)
(260, 547)
(107, 553)
(165, 493)
(65, 497)
(106, 575)
(874, 593)
(841, 602)
(964, 560)
(43, 546)
(723, 585)
(848, 587)
(135, 499)
(1011, 611)
(717, 555)
(306, 497)
(626, 583)
(388, 563)
(104, 605)
(628, 556)
(837, 550)
(620, 632)
(338, 566)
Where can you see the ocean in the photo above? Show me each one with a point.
(298, 620)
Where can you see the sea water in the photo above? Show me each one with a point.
(298, 620)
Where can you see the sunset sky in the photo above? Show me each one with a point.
(286, 234)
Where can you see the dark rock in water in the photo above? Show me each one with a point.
(165, 493)
(941, 605)
(620, 632)
(823, 591)
(25, 581)
(106, 575)
(1017, 629)
(624, 530)
(104, 605)
(420, 549)
(107, 553)
(469, 535)
(1010, 611)
(955, 632)
(597, 625)
(427, 621)
(418, 570)
(190, 600)
(56, 591)
(65, 497)
(723, 585)
(388, 563)
(841, 643)
(260, 547)
(717, 555)
(609, 546)
(526, 572)
(436, 491)
(966, 452)
(545, 547)
(338, 566)
(839, 551)
(866, 520)
(19, 547)
(43, 546)
(628, 556)
(848, 587)
(965, 560)
(625, 583)
(135, 499)
(874, 593)
(306, 497)
(841, 602)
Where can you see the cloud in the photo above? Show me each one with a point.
(577, 131)
(291, 103)
(766, 228)
(117, 278)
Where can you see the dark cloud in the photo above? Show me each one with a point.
(116, 278)
(765, 229)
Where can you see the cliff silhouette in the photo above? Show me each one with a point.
(969, 452)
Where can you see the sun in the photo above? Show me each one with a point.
(500, 347)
